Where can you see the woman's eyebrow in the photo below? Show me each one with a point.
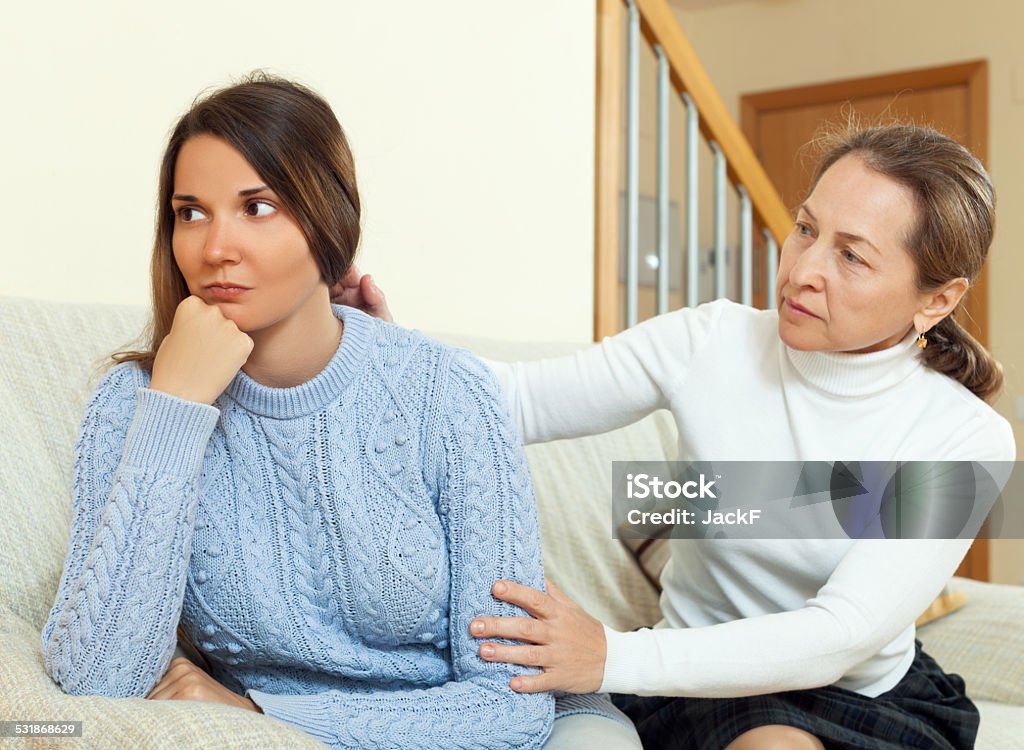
(856, 238)
(243, 193)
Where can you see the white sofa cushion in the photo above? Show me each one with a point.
(983, 641)
(49, 357)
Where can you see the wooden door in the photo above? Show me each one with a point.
(954, 99)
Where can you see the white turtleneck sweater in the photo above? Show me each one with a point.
(747, 617)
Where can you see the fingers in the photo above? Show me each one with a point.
(373, 296)
(537, 603)
(336, 293)
(359, 290)
(342, 294)
(564, 641)
(371, 292)
(348, 296)
(533, 683)
(351, 277)
(513, 628)
(346, 291)
(166, 688)
(528, 656)
(164, 691)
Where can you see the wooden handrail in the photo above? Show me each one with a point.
(659, 27)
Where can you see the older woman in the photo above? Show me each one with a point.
(791, 643)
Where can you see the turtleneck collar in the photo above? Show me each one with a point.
(851, 375)
(314, 394)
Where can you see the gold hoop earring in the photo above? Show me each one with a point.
(922, 342)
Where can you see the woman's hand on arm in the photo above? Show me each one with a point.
(567, 643)
(202, 353)
(184, 681)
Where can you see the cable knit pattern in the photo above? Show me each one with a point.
(325, 546)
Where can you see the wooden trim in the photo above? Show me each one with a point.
(608, 129)
(837, 91)
(660, 26)
(748, 126)
(977, 141)
(978, 561)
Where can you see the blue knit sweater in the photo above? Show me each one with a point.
(326, 545)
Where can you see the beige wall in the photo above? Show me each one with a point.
(767, 44)
(471, 123)
(472, 126)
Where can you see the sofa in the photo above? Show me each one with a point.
(51, 355)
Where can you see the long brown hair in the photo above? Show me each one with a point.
(293, 141)
(954, 230)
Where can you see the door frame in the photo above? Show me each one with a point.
(973, 75)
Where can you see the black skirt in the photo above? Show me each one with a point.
(928, 709)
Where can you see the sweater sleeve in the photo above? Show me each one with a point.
(610, 384)
(487, 506)
(135, 479)
(875, 593)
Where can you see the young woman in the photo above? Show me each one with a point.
(802, 643)
(321, 499)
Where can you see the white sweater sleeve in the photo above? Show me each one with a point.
(878, 589)
(609, 385)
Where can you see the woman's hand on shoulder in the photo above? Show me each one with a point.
(563, 640)
(357, 289)
(185, 681)
(201, 354)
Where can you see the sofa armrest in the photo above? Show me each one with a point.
(983, 641)
(28, 693)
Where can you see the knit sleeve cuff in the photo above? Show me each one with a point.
(168, 435)
(633, 659)
(305, 711)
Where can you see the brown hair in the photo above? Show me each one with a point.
(955, 225)
(293, 141)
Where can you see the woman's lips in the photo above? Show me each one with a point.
(226, 294)
(800, 310)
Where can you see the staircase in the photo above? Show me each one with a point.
(625, 30)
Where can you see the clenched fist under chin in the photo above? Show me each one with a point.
(201, 354)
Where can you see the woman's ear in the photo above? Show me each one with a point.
(939, 304)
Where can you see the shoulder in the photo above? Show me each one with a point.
(744, 321)
(393, 343)
(981, 433)
(467, 377)
(389, 341)
(412, 360)
(712, 333)
(718, 318)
